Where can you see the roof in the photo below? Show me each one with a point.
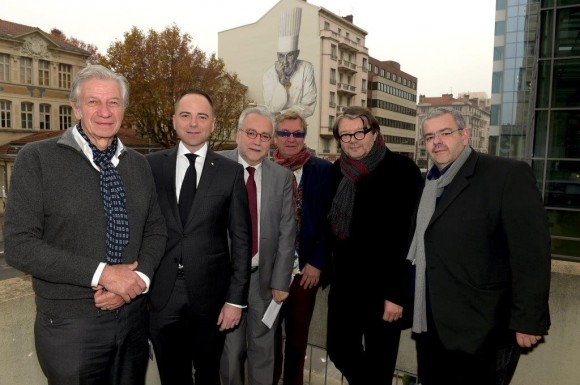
(128, 137)
(15, 31)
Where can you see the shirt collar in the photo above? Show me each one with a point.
(246, 164)
(86, 149)
(435, 174)
(182, 150)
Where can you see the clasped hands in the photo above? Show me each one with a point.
(118, 285)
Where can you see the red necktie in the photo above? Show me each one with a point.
(253, 205)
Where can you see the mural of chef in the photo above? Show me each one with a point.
(289, 84)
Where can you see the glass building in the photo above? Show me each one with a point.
(535, 112)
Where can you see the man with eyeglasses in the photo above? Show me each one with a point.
(311, 205)
(273, 229)
(375, 192)
(481, 250)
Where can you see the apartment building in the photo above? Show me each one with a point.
(392, 97)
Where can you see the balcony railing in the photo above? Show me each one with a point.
(346, 88)
(346, 66)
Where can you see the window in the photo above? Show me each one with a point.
(64, 117)
(45, 116)
(499, 28)
(5, 114)
(64, 75)
(43, 73)
(347, 35)
(330, 121)
(364, 65)
(363, 103)
(333, 51)
(26, 115)
(332, 76)
(25, 70)
(364, 86)
(325, 144)
(326, 25)
(332, 102)
(383, 72)
(496, 82)
(4, 67)
(339, 31)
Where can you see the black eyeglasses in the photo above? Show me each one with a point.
(359, 135)
(287, 134)
(253, 135)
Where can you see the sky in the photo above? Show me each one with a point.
(446, 44)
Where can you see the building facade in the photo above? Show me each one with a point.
(332, 60)
(553, 144)
(392, 97)
(535, 112)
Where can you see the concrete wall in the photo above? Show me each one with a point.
(553, 362)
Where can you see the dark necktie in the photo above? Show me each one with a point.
(253, 205)
(187, 192)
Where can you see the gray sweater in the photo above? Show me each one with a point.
(55, 226)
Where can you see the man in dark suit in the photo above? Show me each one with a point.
(201, 283)
(311, 202)
(481, 249)
(272, 255)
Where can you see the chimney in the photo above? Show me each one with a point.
(348, 18)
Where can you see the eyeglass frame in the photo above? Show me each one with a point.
(252, 134)
(287, 134)
(439, 134)
(364, 133)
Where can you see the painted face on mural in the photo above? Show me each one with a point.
(288, 61)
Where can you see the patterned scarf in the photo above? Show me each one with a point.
(353, 171)
(294, 163)
(114, 200)
(433, 189)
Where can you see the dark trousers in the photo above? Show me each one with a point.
(361, 345)
(111, 348)
(297, 314)
(183, 340)
(437, 365)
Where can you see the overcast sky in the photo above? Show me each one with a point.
(446, 44)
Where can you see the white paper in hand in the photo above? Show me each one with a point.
(271, 314)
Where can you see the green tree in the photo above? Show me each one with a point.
(160, 65)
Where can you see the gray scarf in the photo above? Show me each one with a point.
(433, 189)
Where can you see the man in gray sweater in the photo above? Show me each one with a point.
(82, 218)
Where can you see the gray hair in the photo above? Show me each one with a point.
(459, 119)
(98, 72)
(291, 115)
(262, 111)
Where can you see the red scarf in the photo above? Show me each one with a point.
(294, 162)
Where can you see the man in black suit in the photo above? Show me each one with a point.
(481, 249)
(201, 284)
